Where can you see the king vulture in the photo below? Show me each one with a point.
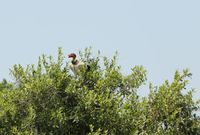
(76, 65)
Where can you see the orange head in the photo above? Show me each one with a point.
(72, 55)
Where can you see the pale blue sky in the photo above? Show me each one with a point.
(160, 35)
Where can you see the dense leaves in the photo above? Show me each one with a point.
(49, 99)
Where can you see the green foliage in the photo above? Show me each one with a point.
(5, 85)
(169, 110)
(48, 99)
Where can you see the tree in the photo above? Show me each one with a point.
(48, 99)
(5, 85)
(170, 109)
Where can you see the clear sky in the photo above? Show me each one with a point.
(163, 36)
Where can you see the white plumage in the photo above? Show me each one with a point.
(75, 65)
(76, 68)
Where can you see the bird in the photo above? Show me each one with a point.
(77, 66)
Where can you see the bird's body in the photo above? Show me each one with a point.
(75, 65)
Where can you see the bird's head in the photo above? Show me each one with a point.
(72, 55)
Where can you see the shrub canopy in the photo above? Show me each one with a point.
(48, 99)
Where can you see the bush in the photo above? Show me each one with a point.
(48, 99)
